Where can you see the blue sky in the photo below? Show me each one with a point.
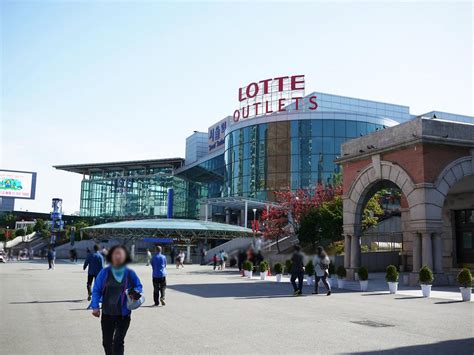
(104, 81)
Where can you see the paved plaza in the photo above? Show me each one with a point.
(44, 312)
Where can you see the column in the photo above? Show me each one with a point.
(355, 252)
(246, 213)
(347, 251)
(426, 250)
(227, 215)
(416, 252)
(207, 211)
(188, 254)
(437, 253)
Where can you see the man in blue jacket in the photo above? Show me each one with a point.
(95, 262)
(158, 263)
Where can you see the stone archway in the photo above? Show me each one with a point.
(362, 188)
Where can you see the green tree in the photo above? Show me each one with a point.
(8, 220)
(42, 227)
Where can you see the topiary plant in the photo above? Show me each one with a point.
(363, 273)
(332, 269)
(392, 274)
(309, 268)
(426, 275)
(341, 272)
(278, 268)
(248, 265)
(288, 265)
(465, 278)
(263, 267)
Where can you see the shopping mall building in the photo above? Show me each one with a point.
(278, 136)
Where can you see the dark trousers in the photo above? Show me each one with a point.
(90, 279)
(50, 263)
(299, 276)
(159, 289)
(114, 329)
(325, 282)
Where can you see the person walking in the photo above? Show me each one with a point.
(158, 263)
(95, 263)
(148, 257)
(51, 258)
(112, 286)
(321, 267)
(297, 271)
(214, 261)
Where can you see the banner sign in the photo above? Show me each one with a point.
(216, 135)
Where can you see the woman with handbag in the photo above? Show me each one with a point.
(119, 289)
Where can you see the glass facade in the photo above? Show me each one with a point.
(138, 193)
(266, 157)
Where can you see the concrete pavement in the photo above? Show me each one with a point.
(219, 312)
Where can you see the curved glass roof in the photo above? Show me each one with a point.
(169, 228)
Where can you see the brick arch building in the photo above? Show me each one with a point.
(432, 163)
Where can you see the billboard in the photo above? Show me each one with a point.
(17, 184)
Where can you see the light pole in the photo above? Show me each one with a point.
(254, 227)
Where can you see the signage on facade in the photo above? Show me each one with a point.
(283, 93)
(216, 135)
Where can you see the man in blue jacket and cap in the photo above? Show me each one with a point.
(95, 262)
(158, 263)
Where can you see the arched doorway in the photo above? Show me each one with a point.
(376, 176)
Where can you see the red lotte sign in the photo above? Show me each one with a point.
(283, 93)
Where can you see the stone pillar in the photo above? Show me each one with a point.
(347, 251)
(227, 215)
(355, 252)
(416, 252)
(426, 250)
(437, 253)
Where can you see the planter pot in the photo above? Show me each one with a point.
(393, 287)
(278, 277)
(263, 275)
(426, 290)
(465, 293)
(341, 283)
(364, 284)
(248, 274)
(309, 280)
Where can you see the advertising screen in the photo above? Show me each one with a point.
(17, 184)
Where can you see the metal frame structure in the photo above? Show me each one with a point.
(180, 230)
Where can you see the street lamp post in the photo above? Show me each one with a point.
(254, 223)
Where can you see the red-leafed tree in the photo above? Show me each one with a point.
(284, 220)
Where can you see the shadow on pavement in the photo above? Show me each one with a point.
(449, 302)
(458, 347)
(56, 301)
(239, 290)
(408, 298)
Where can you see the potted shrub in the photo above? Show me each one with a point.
(288, 265)
(309, 270)
(332, 275)
(263, 267)
(465, 280)
(363, 274)
(278, 268)
(341, 275)
(426, 279)
(392, 278)
(248, 267)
